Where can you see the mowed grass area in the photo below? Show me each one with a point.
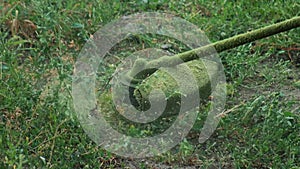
(40, 41)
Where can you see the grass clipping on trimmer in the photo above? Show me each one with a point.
(162, 81)
(203, 71)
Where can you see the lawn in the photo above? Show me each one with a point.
(40, 42)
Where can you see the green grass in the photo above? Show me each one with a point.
(37, 123)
